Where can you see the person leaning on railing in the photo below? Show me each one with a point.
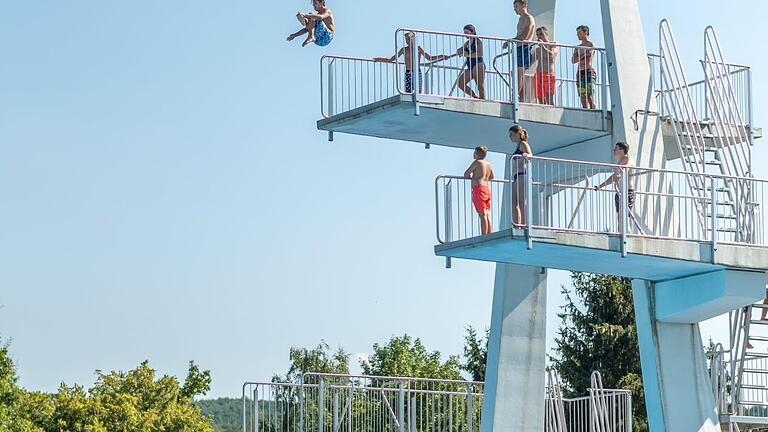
(519, 136)
(621, 153)
(407, 54)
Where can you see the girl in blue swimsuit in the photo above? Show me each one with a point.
(474, 68)
(519, 136)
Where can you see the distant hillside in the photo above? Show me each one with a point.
(226, 413)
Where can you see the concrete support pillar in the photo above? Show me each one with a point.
(678, 393)
(514, 380)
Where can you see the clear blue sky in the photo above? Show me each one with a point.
(164, 193)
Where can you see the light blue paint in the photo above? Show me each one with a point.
(646, 338)
(701, 297)
(503, 247)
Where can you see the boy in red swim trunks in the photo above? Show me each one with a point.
(545, 55)
(481, 173)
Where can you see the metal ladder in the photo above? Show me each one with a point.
(731, 153)
(555, 416)
(750, 358)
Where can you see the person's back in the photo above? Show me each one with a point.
(482, 173)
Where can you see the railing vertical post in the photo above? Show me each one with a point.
(412, 410)
(331, 95)
(624, 210)
(331, 107)
(335, 412)
(470, 409)
(738, 236)
(301, 405)
(448, 200)
(604, 90)
(713, 201)
(401, 406)
(256, 409)
(750, 107)
(628, 413)
(415, 76)
(321, 406)
(528, 198)
(514, 81)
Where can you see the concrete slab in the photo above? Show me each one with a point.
(648, 258)
(464, 123)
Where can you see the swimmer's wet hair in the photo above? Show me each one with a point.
(520, 131)
(522, 2)
(543, 28)
(583, 28)
(322, 2)
(481, 151)
(623, 146)
(471, 28)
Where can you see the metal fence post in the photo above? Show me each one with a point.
(713, 194)
(401, 406)
(528, 198)
(514, 83)
(321, 406)
(604, 90)
(412, 410)
(256, 409)
(415, 76)
(331, 107)
(750, 117)
(301, 405)
(470, 410)
(624, 211)
(628, 416)
(335, 412)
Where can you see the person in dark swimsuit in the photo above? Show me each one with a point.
(474, 68)
(519, 136)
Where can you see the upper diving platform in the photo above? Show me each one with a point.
(374, 97)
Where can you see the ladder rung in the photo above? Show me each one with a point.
(722, 216)
(760, 306)
(757, 403)
(759, 338)
(758, 322)
(709, 188)
(752, 387)
(727, 230)
(754, 371)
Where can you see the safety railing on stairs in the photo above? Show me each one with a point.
(356, 403)
(576, 196)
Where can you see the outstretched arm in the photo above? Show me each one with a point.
(318, 16)
(433, 58)
(390, 59)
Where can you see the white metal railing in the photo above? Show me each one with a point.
(352, 82)
(359, 403)
(740, 80)
(454, 70)
(562, 197)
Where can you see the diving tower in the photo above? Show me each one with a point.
(693, 243)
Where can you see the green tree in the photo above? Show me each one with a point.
(14, 413)
(408, 357)
(599, 333)
(318, 359)
(226, 414)
(475, 353)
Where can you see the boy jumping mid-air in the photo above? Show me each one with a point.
(481, 173)
(319, 26)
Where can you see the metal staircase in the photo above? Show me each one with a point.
(715, 141)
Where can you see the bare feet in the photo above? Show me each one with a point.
(302, 18)
(749, 345)
(308, 41)
(290, 38)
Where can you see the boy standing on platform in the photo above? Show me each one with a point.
(407, 54)
(481, 173)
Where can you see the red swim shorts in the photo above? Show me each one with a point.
(481, 198)
(543, 84)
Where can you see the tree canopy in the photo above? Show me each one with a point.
(408, 357)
